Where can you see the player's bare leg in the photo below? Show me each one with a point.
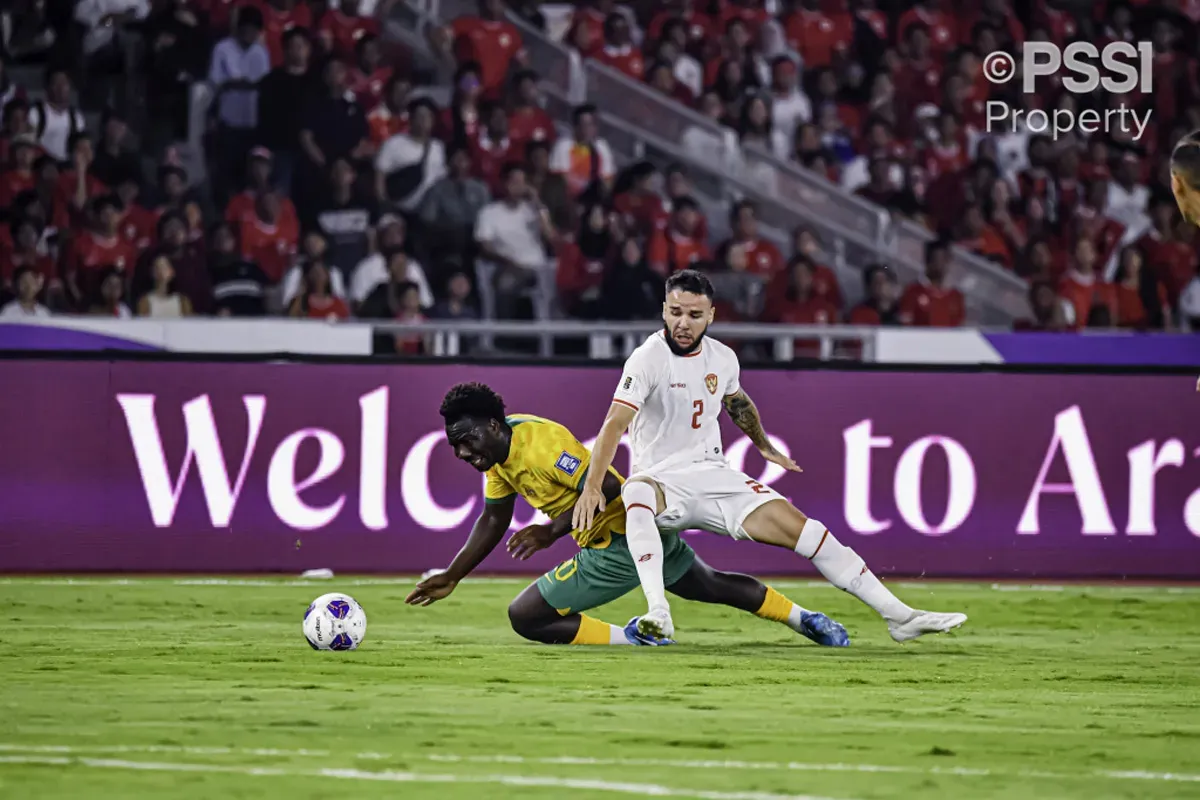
(704, 584)
(783, 525)
(643, 502)
(534, 619)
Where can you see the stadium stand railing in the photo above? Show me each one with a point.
(857, 230)
(607, 340)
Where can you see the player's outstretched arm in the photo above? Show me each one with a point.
(527, 541)
(744, 414)
(485, 535)
(591, 500)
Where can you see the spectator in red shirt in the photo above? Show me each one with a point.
(188, 262)
(369, 77)
(528, 121)
(805, 242)
(241, 208)
(678, 246)
(1132, 288)
(638, 204)
(1170, 258)
(661, 77)
(490, 40)
(280, 16)
(1049, 311)
(999, 15)
(459, 125)
(698, 25)
(96, 250)
(920, 80)
(879, 189)
(618, 51)
(1083, 288)
(984, 239)
(880, 307)
(20, 177)
(801, 306)
(581, 264)
(391, 116)
(77, 185)
(315, 300)
(26, 236)
(138, 223)
(756, 255)
(930, 302)
(494, 148)
(818, 37)
(341, 28)
(408, 309)
(268, 238)
(943, 29)
(110, 295)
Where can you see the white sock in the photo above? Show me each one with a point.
(617, 635)
(794, 620)
(843, 567)
(645, 544)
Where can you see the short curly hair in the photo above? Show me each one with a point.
(471, 400)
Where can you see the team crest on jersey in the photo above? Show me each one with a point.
(567, 463)
(710, 380)
(628, 382)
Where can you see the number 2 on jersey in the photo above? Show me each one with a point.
(699, 406)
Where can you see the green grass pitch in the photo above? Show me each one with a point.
(157, 688)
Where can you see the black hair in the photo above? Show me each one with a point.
(471, 400)
(581, 111)
(509, 168)
(76, 138)
(108, 201)
(692, 281)
(249, 16)
(1185, 159)
(296, 32)
(934, 247)
(535, 145)
(422, 102)
(739, 207)
(685, 202)
(19, 273)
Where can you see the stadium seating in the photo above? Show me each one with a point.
(343, 162)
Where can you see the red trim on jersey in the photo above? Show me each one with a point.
(626, 404)
(632, 506)
(820, 544)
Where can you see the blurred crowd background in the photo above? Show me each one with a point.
(344, 175)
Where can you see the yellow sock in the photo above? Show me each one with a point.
(593, 631)
(775, 607)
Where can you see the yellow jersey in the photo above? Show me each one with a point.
(547, 465)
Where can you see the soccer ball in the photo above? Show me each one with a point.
(335, 621)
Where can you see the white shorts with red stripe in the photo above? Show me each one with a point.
(712, 497)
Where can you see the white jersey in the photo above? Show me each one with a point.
(678, 401)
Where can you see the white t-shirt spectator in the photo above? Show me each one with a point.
(1128, 206)
(402, 151)
(92, 14)
(789, 111)
(14, 310)
(578, 163)
(54, 127)
(688, 71)
(513, 232)
(372, 271)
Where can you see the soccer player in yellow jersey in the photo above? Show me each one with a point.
(544, 463)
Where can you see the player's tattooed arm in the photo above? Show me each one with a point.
(744, 414)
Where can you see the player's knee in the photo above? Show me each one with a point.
(639, 493)
(523, 623)
(777, 523)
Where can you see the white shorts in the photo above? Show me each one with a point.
(711, 497)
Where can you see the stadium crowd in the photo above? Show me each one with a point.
(337, 186)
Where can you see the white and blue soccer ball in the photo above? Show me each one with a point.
(335, 621)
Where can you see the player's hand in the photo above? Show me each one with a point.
(529, 540)
(434, 588)
(590, 503)
(776, 457)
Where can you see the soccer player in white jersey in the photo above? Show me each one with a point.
(672, 391)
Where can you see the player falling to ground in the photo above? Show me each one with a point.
(672, 391)
(1185, 176)
(544, 463)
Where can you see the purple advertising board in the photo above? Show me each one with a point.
(235, 467)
